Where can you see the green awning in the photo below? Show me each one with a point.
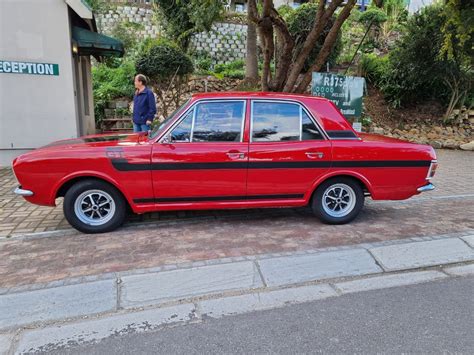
(96, 44)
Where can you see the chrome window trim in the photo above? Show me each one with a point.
(182, 119)
(301, 109)
(192, 124)
(193, 107)
(301, 123)
(178, 114)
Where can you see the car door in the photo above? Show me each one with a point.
(203, 157)
(288, 151)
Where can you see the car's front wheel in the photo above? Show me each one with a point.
(338, 200)
(94, 206)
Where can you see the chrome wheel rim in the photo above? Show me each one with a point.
(94, 207)
(339, 200)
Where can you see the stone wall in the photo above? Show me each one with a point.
(459, 133)
(144, 17)
(225, 42)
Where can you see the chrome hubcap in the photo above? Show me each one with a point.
(339, 200)
(94, 207)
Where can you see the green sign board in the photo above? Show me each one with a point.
(9, 66)
(345, 91)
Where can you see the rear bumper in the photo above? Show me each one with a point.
(427, 187)
(23, 192)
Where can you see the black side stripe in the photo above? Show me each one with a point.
(218, 198)
(123, 165)
(381, 164)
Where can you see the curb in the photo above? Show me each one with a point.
(109, 293)
(89, 330)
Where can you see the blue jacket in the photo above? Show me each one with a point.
(144, 106)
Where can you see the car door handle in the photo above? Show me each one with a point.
(315, 155)
(236, 155)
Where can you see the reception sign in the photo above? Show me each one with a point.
(14, 67)
(345, 91)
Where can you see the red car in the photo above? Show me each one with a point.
(227, 150)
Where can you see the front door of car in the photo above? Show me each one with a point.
(203, 158)
(287, 151)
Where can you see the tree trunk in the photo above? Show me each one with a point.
(251, 60)
(322, 17)
(327, 46)
(273, 33)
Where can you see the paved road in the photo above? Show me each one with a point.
(437, 317)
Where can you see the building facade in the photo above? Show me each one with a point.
(45, 73)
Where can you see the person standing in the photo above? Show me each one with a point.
(144, 105)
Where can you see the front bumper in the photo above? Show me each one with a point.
(427, 187)
(23, 192)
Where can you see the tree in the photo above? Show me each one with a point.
(183, 18)
(274, 33)
(458, 29)
(251, 59)
(300, 22)
(418, 69)
(167, 66)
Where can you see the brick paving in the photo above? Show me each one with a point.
(455, 176)
(176, 239)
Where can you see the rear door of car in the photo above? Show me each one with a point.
(288, 151)
(204, 157)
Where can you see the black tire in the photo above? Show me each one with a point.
(353, 209)
(100, 193)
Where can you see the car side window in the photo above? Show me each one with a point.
(182, 132)
(275, 121)
(309, 130)
(218, 121)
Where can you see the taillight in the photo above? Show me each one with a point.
(432, 170)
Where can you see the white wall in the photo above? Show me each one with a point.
(35, 109)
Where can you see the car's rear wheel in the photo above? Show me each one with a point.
(94, 206)
(338, 200)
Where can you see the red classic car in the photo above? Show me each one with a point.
(227, 150)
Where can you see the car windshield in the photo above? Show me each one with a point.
(157, 129)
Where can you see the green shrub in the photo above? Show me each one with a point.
(126, 33)
(109, 83)
(202, 62)
(373, 15)
(235, 69)
(300, 22)
(285, 11)
(374, 68)
(417, 72)
(161, 60)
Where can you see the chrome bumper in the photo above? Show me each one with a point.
(22, 192)
(428, 187)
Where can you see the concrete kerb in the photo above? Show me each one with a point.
(91, 330)
(214, 278)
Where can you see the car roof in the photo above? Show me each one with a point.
(254, 94)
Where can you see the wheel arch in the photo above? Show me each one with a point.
(65, 184)
(360, 179)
